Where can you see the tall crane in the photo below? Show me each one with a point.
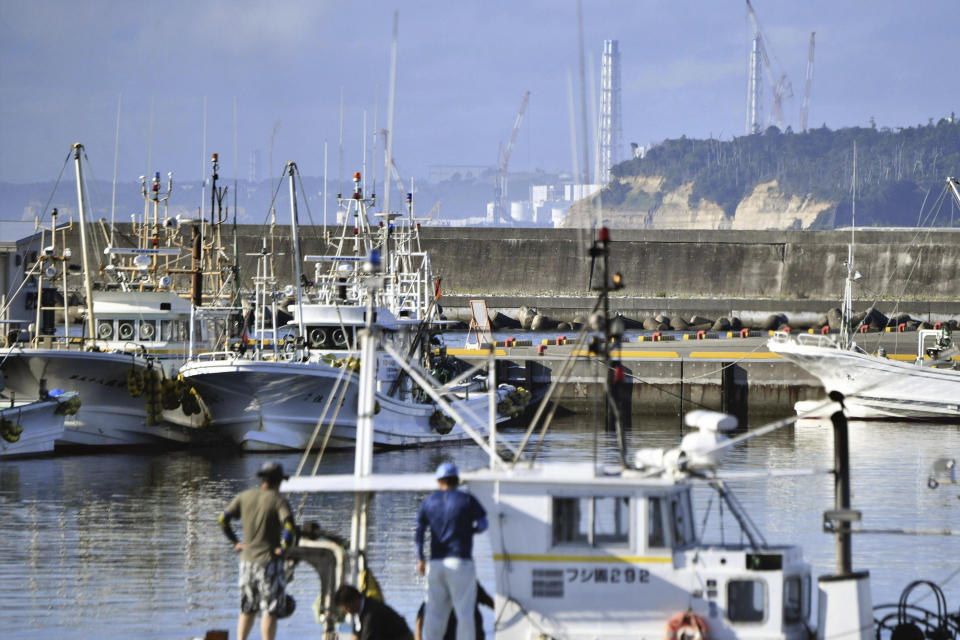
(781, 88)
(500, 196)
(805, 105)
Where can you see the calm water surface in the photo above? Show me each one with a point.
(127, 545)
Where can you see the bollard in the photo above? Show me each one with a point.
(938, 325)
(545, 341)
(901, 327)
(744, 333)
(786, 329)
(825, 329)
(656, 336)
(864, 329)
(701, 335)
(541, 349)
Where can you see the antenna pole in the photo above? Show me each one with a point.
(236, 170)
(388, 154)
(363, 150)
(116, 155)
(324, 184)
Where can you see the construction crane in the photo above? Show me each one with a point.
(805, 105)
(781, 88)
(500, 197)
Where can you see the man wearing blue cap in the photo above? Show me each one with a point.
(453, 517)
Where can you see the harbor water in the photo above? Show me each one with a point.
(127, 544)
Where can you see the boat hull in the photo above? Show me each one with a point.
(42, 426)
(109, 415)
(878, 387)
(278, 405)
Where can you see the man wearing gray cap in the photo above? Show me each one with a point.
(268, 530)
(453, 517)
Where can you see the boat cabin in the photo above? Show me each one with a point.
(153, 318)
(617, 556)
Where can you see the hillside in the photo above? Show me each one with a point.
(778, 180)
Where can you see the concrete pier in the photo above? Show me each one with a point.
(736, 375)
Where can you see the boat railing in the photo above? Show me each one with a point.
(216, 355)
(814, 339)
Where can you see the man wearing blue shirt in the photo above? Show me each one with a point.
(453, 517)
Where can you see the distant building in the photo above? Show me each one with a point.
(444, 172)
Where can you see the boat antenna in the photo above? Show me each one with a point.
(324, 184)
(236, 163)
(340, 151)
(373, 147)
(363, 151)
(203, 168)
(116, 155)
(391, 103)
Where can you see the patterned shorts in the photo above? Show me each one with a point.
(262, 587)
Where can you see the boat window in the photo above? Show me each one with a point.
(570, 520)
(600, 520)
(746, 600)
(611, 520)
(656, 536)
(165, 330)
(681, 519)
(792, 599)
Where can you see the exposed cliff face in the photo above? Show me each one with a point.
(647, 205)
(767, 208)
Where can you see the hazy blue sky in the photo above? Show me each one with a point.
(463, 68)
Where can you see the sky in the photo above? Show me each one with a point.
(177, 69)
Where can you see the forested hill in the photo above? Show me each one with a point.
(896, 170)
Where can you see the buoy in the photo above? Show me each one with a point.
(686, 626)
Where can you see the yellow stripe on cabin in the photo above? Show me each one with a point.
(532, 557)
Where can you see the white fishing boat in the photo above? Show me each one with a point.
(596, 551)
(33, 427)
(878, 386)
(120, 353)
(305, 394)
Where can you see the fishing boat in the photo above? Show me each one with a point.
(33, 427)
(121, 351)
(594, 550)
(305, 395)
(876, 385)
(879, 387)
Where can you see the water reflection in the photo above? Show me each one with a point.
(131, 540)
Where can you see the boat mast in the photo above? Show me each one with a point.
(847, 328)
(87, 283)
(366, 407)
(388, 153)
(291, 168)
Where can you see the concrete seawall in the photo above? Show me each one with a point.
(663, 271)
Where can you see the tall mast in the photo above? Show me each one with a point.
(845, 336)
(291, 168)
(388, 154)
(87, 283)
